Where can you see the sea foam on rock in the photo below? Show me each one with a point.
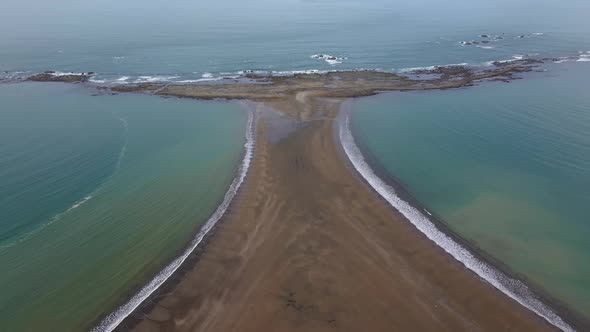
(66, 77)
(333, 60)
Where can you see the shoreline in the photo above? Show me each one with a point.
(180, 304)
(245, 75)
(340, 84)
(135, 316)
(511, 281)
(304, 86)
(112, 320)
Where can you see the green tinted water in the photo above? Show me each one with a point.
(151, 170)
(507, 166)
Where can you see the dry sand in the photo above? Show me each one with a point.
(308, 246)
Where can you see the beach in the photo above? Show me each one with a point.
(314, 240)
(295, 165)
(308, 245)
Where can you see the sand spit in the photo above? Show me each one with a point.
(307, 244)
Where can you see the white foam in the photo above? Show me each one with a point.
(333, 60)
(583, 60)
(255, 72)
(80, 202)
(294, 72)
(123, 78)
(55, 218)
(60, 73)
(200, 80)
(485, 47)
(110, 322)
(7, 75)
(515, 58)
(564, 59)
(511, 287)
(207, 75)
(412, 69)
(152, 79)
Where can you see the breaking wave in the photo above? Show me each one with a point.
(247, 75)
(333, 60)
(413, 69)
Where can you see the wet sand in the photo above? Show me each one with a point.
(309, 246)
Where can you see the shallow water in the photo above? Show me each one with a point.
(98, 193)
(507, 167)
(72, 165)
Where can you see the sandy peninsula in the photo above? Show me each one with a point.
(307, 245)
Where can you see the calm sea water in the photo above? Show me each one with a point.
(137, 181)
(97, 193)
(188, 40)
(507, 166)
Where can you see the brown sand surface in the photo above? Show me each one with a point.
(333, 84)
(308, 246)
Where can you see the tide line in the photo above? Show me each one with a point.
(111, 321)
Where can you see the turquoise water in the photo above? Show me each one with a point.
(98, 193)
(507, 166)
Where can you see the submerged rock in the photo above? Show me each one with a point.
(444, 70)
(523, 62)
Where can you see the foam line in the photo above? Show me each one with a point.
(515, 289)
(110, 322)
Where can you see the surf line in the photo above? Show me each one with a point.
(111, 321)
(514, 288)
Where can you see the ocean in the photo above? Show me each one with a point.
(182, 40)
(505, 166)
(99, 193)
